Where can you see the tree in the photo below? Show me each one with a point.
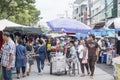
(19, 11)
(44, 28)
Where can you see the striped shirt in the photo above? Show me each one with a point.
(8, 48)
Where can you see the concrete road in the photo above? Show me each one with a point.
(99, 75)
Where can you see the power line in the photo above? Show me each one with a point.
(109, 5)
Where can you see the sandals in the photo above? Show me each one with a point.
(28, 74)
(23, 75)
(18, 77)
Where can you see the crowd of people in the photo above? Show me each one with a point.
(22, 55)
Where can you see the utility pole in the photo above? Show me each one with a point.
(105, 13)
(89, 6)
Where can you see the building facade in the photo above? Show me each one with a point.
(97, 11)
(80, 11)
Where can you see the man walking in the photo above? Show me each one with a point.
(92, 53)
(8, 56)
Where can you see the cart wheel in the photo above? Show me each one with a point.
(73, 70)
(50, 68)
(78, 67)
(65, 72)
(115, 78)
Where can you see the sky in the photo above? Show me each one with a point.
(52, 9)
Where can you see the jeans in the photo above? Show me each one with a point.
(40, 63)
(18, 70)
(92, 61)
(48, 56)
(7, 74)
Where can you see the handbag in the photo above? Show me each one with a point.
(31, 60)
(27, 66)
(84, 61)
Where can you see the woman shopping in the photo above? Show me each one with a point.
(21, 59)
(30, 50)
(40, 51)
(83, 57)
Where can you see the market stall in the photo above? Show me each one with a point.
(58, 60)
(4, 24)
(116, 64)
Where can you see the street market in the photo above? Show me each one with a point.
(81, 43)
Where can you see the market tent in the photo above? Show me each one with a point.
(78, 35)
(68, 25)
(32, 30)
(8, 24)
(53, 35)
(113, 23)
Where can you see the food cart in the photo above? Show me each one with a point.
(116, 64)
(58, 62)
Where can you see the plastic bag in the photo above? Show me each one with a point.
(27, 67)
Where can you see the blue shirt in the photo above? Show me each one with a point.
(21, 52)
(41, 51)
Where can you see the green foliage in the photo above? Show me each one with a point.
(43, 28)
(19, 11)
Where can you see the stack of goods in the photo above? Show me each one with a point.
(116, 63)
(53, 49)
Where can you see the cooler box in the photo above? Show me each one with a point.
(104, 57)
(109, 58)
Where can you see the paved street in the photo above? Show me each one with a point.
(99, 74)
(106, 68)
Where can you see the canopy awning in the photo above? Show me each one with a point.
(32, 30)
(7, 24)
(113, 23)
(99, 25)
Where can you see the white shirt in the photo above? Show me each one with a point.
(73, 53)
(80, 47)
(101, 44)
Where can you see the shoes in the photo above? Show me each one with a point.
(28, 73)
(18, 76)
(88, 73)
